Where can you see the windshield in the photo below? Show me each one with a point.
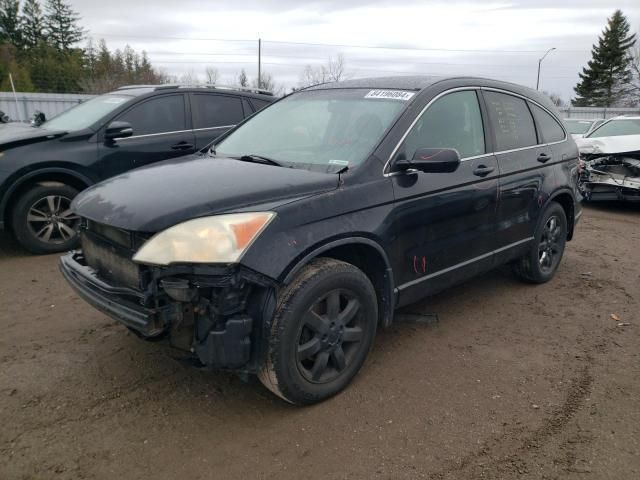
(578, 127)
(320, 130)
(616, 128)
(85, 114)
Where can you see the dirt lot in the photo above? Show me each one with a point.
(516, 381)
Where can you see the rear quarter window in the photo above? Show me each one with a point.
(259, 104)
(511, 120)
(550, 129)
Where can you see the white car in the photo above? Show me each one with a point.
(578, 128)
(610, 158)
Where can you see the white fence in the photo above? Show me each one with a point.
(51, 104)
(588, 113)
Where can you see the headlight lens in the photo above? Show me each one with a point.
(217, 239)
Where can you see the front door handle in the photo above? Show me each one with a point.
(544, 158)
(483, 170)
(182, 146)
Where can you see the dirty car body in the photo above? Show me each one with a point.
(359, 195)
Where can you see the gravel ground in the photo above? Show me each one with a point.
(515, 381)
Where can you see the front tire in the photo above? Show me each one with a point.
(42, 220)
(540, 264)
(321, 334)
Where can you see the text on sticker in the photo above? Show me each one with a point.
(390, 94)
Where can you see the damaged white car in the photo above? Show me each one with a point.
(610, 168)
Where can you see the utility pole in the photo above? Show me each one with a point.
(539, 62)
(259, 63)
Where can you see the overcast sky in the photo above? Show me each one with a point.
(494, 39)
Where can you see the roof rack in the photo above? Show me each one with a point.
(200, 85)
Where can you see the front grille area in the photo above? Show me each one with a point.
(111, 260)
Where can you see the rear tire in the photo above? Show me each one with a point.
(321, 334)
(540, 264)
(42, 222)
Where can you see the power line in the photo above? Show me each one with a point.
(341, 45)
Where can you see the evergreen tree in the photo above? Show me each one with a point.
(605, 80)
(10, 31)
(61, 22)
(32, 24)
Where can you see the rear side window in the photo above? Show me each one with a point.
(259, 104)
(215, 110)
(453, 121)
(550, 129)
(511, 120)
(158, 115)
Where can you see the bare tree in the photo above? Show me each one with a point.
(555, 98)
(635, 81)
(242, 78)
(189, 78)
(333, 71)
(211, 74)
(268, 83)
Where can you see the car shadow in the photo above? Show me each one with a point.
(10, 248)
(613, 207)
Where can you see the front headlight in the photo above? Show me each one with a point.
(216, 239)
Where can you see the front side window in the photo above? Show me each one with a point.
(215, 110)
(511, 120)
(87, 113)
(320, 130)
(452, 121)
(159, 115)
(550, 129)
(616, 128)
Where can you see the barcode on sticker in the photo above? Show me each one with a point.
(390, 94)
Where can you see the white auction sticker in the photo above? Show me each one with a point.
(390, 94)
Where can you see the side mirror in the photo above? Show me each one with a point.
(432, 160)
(38, 118)
(118, 130)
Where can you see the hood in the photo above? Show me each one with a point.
(153, 198)
(609, 145)
(21, 133)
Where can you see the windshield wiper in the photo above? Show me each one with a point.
(260, 159)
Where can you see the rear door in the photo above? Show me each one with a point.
(161, 130)
(525, 172)
(214, 114)
(443, 223)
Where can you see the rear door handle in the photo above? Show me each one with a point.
(182, 146)
(544, 158)
(483, 170)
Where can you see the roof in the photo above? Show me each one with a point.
(417, 82)
(420, 82)
(142, 89)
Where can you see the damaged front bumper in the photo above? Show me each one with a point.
(610, 168)
(214, 314)
(610, 177)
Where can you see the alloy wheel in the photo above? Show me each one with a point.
(550, 246)
(51, 220)
(330, 336)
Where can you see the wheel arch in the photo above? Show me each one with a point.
(566, 199)
(365, 254)
(61, 175)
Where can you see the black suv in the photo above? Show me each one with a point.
(42, 168)
(282, 250)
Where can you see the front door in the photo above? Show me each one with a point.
(444, 222)
(160, 131)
